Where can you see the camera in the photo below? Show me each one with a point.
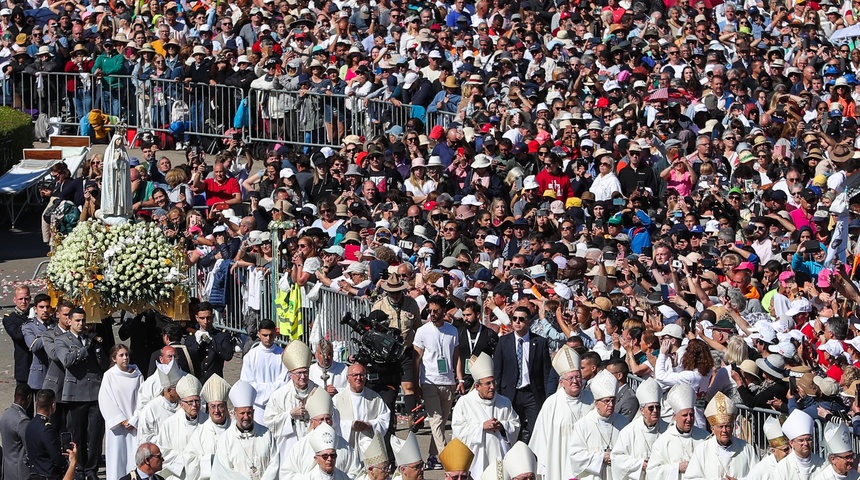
(379, 347)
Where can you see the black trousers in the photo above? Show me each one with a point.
(87, 427)
(527, 408)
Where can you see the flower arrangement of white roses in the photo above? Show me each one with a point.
(128, 265)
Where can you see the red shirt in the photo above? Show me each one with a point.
(216, 193)
(560, 184)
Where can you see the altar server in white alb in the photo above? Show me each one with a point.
(407, 455)
(800, 463)
(671, 452)
(174, 435)
(200, 451)
(361, 411)
(263, 369)
(777, 447)
(484, 420)
(595, 434)
(286, 416)
(520, 463)
(118, 406)
(246, 450)
(551, 436)
(300, 460)
(159, 409)
(722, 456)
(635, 442)
(841, 456)
(376, 461)
(326, 372)
(322, 441)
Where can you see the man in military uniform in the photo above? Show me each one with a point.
(13, 323)
(404, 315)
(43, 440)
(56, 374)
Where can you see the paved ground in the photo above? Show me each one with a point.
(21, 253)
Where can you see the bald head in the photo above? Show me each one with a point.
(168, 354)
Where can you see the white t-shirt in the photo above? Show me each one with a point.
(438, 345)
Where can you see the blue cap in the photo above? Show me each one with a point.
(521, 222)
(304, 78)
(133, 161)
(317, 49)
(395, 130)
(851, 79)
(831, 70)
(697, 229)
(752, 11)
(481, 275)
(678, 227)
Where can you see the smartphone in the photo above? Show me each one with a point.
(618, 202)
(676, 265)
(647, 251)
(664, 292)
(65, 441)
(694, 269)
(609, 257)
(707, 264)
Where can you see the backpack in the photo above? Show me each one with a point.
(179, 111)
(41, 128)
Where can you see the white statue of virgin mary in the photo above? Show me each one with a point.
(116, 183)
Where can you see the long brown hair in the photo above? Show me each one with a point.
(698, 357)
(115, 349)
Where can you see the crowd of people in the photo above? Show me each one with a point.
(662, 191)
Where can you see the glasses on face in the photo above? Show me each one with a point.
(300, 373)
(480, 236)
(607, 400)
(449, 229)
(327, 456)
(652, 408)
(848, 456)
(191, 402)
(520, 319)
(605, 164)
(357, 375)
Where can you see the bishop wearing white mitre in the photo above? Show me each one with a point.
(800, 463)
(633, 448)
(672, 450)
(246, 450)
(594, 436)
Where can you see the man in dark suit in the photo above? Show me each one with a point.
(521, 367)
(209, 348)
(13, 425)
(172, 335)
(43, 440)
(149, 462)
(84, 359)
(146, 338)
(474, 338)
(56, 374)
(626, 402)
(13, 323)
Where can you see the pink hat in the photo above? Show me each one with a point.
(543, 136)
(824, 278)
(784, 276)
(744, 266)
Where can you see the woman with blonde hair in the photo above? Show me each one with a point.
(605, 183)
(418, 186)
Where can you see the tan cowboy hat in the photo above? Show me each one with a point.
(80, 48)
(394, 283)
(450, 82)
(120, 38)
(147, 47)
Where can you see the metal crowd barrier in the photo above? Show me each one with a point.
(329, 308)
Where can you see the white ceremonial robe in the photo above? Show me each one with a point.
(300, 460)
(246, 456)
(118, 403)
(467, 425)
(172, 439)
(592, 436)
(551, 436)
(336, 375)
(791, 468)
(317, 474)
(148, 390)
(827, 473)
(633, 448)
(366, 406)
(263, 369)
(710, 461)
(764, 470)
(286, 430)
(154, 414)
(670, 450)
(200, 451)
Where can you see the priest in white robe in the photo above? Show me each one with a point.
(520, 461)
(629, 457)
(361, 411)
(722, 456)
(407, 456)
(841, 455)
(246, 450)
(263, 369)
(800, 463)
(551, 437)
(151, 387)
(118, 406)
(777, 446)
(376, 461)
(484, 420)
(322, 442)
(200, 452)
(327, 373)
(671, 452)
(594, 435)
(162, 407)
(457, 458)
(285, 415)
(300, 460)
(174, 435)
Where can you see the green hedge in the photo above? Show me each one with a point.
(16, 134)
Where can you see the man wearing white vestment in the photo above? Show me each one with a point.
(841, 456)
(174, 435)
(162, 407)
(361, 410)
(629, 458)
(201, 447)
(595, 434)
(722, 456)
(322, 441)
(246, 450)
(551, 436)
(376, 462)
(263, 369)
(778, 447)
(300, 460)
(327, 373)
(285, 415)
(483, 420)
(151, 387)
(407, 455)
(520, 462)
(800, 463)
(671, 452)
